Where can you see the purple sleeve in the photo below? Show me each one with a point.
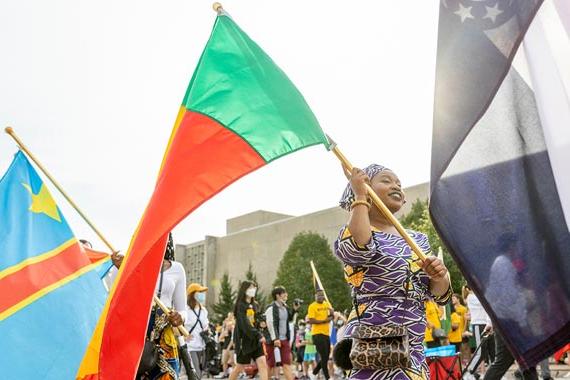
(350, 253)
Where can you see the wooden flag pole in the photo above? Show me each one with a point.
(316, 274)
(378, 202)
(10, 131)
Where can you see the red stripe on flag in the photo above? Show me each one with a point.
(204, 158)
(34, 277)
(94, 255)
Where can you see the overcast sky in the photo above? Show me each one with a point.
(93, 88)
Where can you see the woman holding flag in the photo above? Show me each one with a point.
(389, 282)
(171, 290)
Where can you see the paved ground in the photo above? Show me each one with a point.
(558, 372)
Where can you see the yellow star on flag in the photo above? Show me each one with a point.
(43, 203)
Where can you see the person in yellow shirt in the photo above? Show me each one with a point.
(433, 315)
(320, 315)
(460, 309)
(457, 322)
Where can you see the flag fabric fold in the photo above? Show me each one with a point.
(102, 258)
(51, 293)
(500, 198)
(239, 113)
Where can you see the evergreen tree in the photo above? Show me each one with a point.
(226, 299)
(295, 273)
(418, 219)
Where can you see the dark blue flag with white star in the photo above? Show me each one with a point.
(500, 193)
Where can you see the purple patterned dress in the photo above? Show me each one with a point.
(377, 274)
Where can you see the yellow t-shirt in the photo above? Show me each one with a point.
(462, 310)
(320, 311)
(455, 336)
(432, 315)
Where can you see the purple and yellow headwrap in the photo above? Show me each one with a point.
(348, 195)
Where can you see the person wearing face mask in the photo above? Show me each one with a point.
(197, 325)
(278, 317)
(248, 339)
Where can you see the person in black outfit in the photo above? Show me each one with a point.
(247, 338)
(504, 360)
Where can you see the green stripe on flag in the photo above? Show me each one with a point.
(239, 86)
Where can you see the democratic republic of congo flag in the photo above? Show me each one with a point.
(50, 293)
(239, 113)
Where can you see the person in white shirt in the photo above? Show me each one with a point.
(197, 325)
(170, 289)
(478, 321)
(503, 293)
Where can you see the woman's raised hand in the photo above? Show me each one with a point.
(358, 181)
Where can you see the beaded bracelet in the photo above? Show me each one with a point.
(356, 203)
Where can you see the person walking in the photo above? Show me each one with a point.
(320, 315)
(197, 325)
(309, 354)
(170, 289)
(279, 317)
(227, 345)
(504, 359)
(478, 320)
(248, 339)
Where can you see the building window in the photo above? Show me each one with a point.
(195, 264)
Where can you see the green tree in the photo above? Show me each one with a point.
(418, 219)
(295, 273)
(226, 299)
(261, 297)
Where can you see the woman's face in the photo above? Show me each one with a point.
(388, 187)
(454, 300)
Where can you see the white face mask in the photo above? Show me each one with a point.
(251, 292)
(200, 297)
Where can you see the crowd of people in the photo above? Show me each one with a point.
(474, 339)
(397, 312)
(278, 341)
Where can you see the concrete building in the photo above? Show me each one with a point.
(261, 238)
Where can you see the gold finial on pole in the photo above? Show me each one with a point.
(218, 7)
(378, 202)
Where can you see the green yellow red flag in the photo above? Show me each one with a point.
(239, 113)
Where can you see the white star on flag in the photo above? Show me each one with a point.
(493, 12)
(464, 12)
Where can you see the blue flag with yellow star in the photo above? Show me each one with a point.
(51, 294)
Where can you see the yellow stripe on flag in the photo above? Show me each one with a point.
(37, 259)
(25, 302)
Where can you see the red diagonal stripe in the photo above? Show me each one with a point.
(18, 286)
(203, 159)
